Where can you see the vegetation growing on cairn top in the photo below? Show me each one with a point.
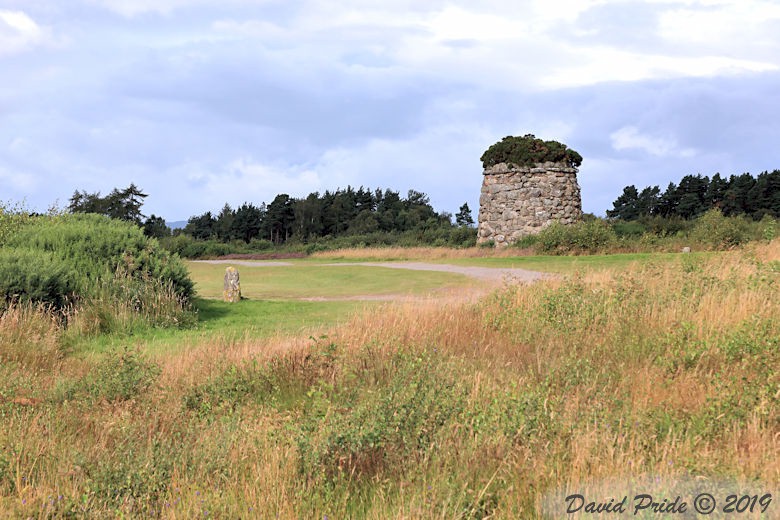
(527, 151)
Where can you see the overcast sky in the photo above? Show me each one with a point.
(202, 102)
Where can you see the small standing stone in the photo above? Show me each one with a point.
(232, 288)
(686, 249)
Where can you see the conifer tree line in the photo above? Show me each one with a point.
(696, 194)
(336, 213)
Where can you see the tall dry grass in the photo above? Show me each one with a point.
(30, 335)
(431, 409)
(417, 253)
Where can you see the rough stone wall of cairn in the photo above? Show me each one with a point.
(517, 201)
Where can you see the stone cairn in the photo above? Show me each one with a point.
(517, 201)
(231, 290)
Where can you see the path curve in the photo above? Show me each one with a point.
(494, 274)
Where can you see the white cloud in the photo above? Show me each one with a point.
(18, 32)
(629, 137)
(529, 46)
(131, 8)
(536, 45)
(245, 179)
(18, 180)
(598, 65)
(727, 24)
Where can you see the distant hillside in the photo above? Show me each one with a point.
(177, 224)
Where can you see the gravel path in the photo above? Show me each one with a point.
(249, 263)
(493, 274)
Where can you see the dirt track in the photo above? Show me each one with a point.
(495, 274)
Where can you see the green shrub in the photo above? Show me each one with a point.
(527, 151)
(12, 219)
(768, 228)
(260, 244)
(98, 248)
(721, 232)
(584, 237)
(388, 428)
(234, 386)
(135, 480)
(29, 275)
(188, 247)
(753, 339)
(127, 305)
(120, 376)
(630, 229)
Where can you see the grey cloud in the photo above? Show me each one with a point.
(253, 89)
(167, 103)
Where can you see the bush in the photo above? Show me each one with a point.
(584, 237)
(188, 247)
(105, 274)
(628, 229)
(28, 275)
(260, 244)
(391, 429)
(768, 228)
(721, 232)
(99, 249)
(120, 376)
(126, 305)
(12, 219)
(527, 151)
(666, 226)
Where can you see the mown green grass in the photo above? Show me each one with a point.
(262, 318)
(248, 319)
(314, 280)
(273, 303)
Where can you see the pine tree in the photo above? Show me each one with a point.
(156, 227)
(736, 199)
(463, 216)
(625, 206)
(248, 221)
(648, 201)
(691, 195)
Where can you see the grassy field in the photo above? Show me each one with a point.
(313, 280)
(274, 302)
(661, 373)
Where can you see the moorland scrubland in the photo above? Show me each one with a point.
(433, 408)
